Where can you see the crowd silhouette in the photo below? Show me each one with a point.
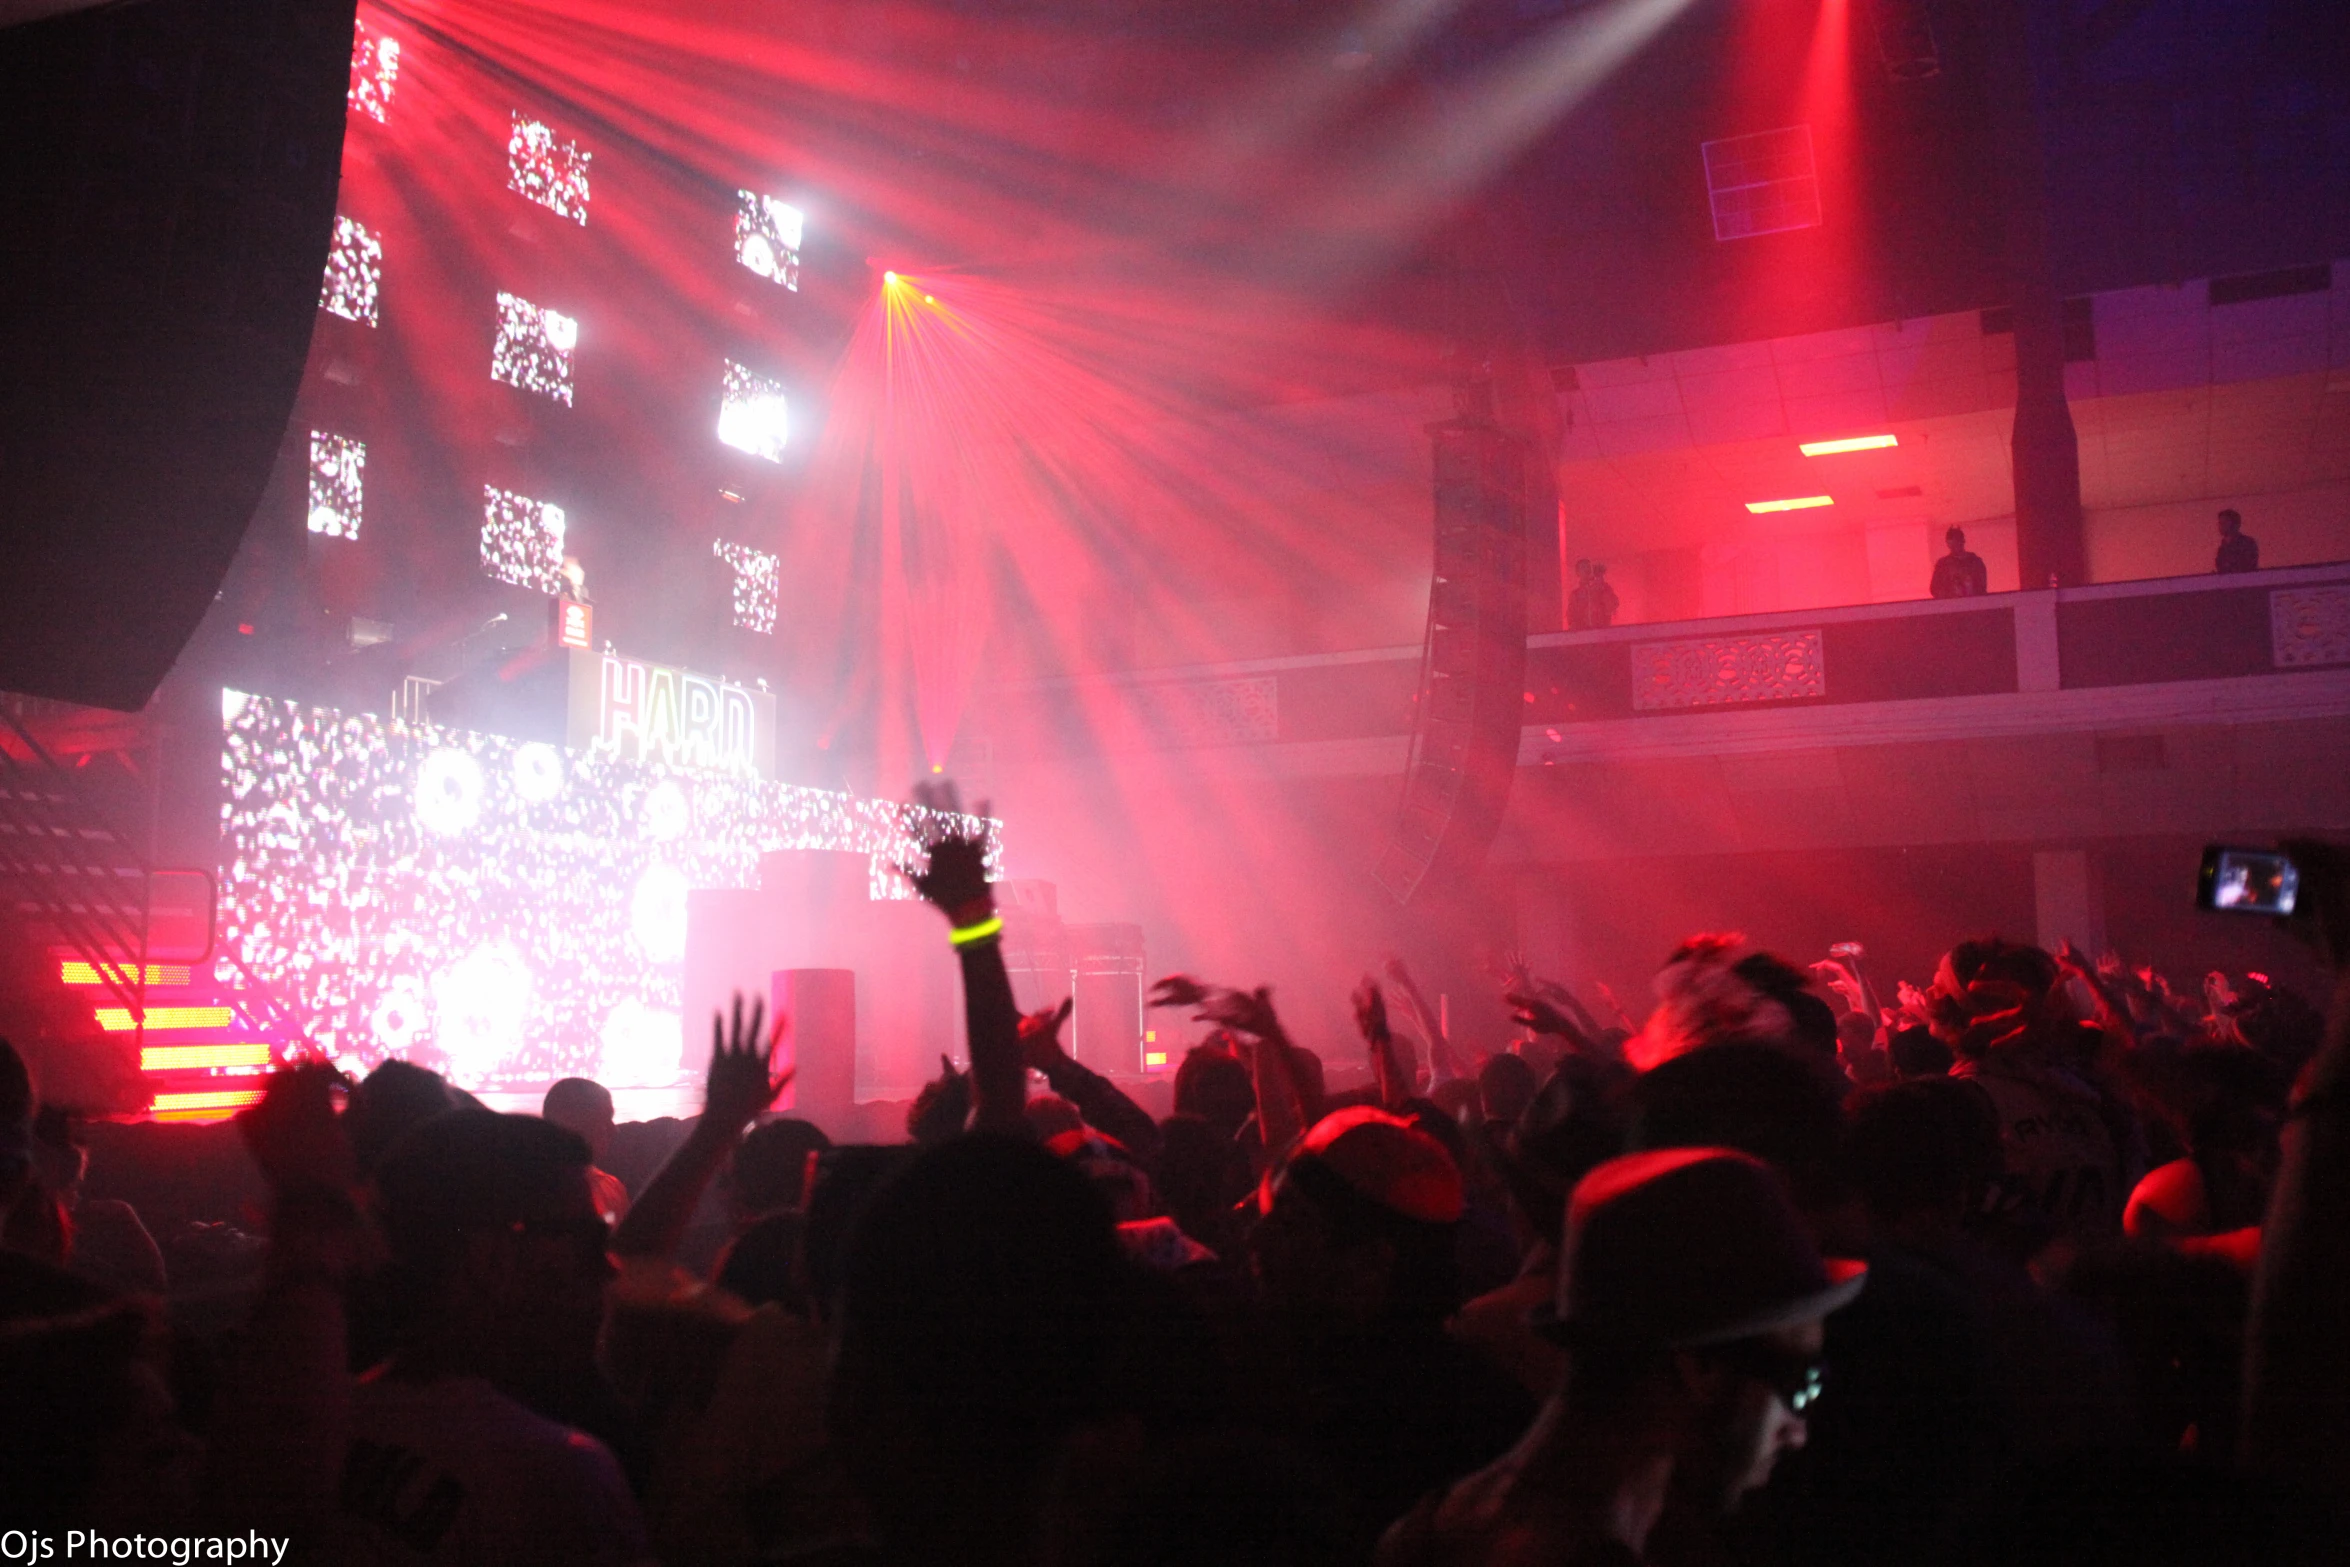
(2047, 1260)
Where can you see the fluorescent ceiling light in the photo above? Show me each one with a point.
(1798, 503)
(1856, 443)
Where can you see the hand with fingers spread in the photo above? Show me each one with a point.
(742, 1081)
(955, 881)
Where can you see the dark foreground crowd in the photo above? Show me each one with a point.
(2044, 1262)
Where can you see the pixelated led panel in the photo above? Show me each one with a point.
(505, 911)
(533, 348)
(338, 471)
(545, 168)
(1211, 712)
(522, 540)
(767, 237)
(753, 414)
(758, 584)
(354, 273)
(2309, 627)
(375, 71)
(1710, 671)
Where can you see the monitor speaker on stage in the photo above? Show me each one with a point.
(820, 1044)
(1105, 977)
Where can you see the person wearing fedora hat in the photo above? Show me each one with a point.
(1690, 1300)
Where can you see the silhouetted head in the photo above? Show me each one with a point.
(387, 1103)
(771, 1165)
(496, 1242)
(584, 1106)
(1956, 539)
(1360, 1228)
(981, 1300)
(2231, 522)
(1214, 1084)
(1754, 1098)
(1505, 1086)
(1916, 1148)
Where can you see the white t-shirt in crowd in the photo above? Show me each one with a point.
(451, 1471)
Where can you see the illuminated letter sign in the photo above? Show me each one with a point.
(640, 711)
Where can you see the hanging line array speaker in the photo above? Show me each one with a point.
(168, 171)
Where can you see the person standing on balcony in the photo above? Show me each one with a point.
(2238, 550)
(1579, 600)
(1959, 574)
(1593, 604)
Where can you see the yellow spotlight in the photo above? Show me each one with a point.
(891, 278)
(930, 299)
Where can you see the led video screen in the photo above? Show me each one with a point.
(507, 912)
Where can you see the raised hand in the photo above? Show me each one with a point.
(1371, 1013)
(1179, 990)
(1040, 1036)
(1535, 1012)
(955, 881)
(1840, 979)
(1243, 1011)
(742, 1081)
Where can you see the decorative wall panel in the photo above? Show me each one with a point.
(1779, 666)
(1211, 712)
(2309, 626)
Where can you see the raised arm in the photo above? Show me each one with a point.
(1283, 1109)
(1440, 1060)
(955, 883)
(2113, 1013)
(1395, 1080)
(1103, 1104)
(2296, 1357)
(1538, 1015)
(742, 1082)
(279, 1433)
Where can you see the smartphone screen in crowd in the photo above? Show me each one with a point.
(2247, 881)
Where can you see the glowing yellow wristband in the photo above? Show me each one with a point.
(967, 934)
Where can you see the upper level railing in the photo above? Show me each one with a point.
(2263, 644)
